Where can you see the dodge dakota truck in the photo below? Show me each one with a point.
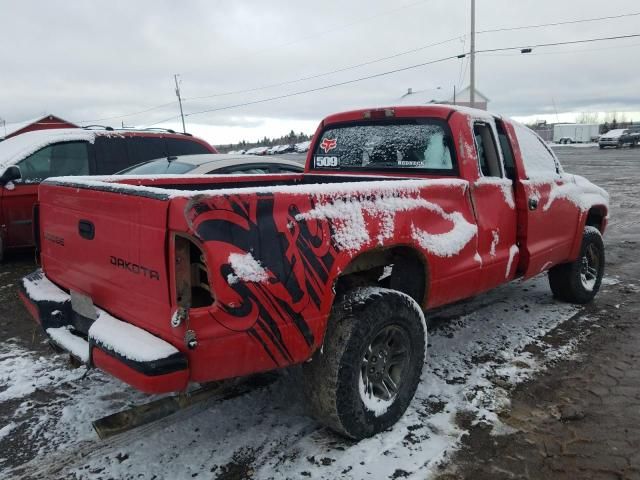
(162, 281)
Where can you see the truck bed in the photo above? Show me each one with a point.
(271, 248)
(167, 186)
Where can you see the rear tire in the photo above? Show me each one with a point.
(363, 378)
(579, 281)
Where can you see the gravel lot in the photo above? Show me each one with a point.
(517, 386)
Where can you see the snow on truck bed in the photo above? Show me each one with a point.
(377, 184)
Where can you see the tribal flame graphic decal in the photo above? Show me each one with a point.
(292, 246)
(298, 256)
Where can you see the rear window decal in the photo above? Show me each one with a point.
(321, 161)
(328, 144)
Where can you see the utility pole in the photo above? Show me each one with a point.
(175, 77)
(472, 79)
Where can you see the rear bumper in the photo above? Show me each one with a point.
(121, 349)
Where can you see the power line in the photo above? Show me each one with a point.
(396, 55)
(567, 22)
(150, 109)
(288, 82)
(554, 44)
(317, 89)
(389, 72)
(563, 52)
(338, 27)
(352, 67)
(332, 72)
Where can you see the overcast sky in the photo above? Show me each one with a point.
(89, 60)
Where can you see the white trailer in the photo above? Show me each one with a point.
(575, 132)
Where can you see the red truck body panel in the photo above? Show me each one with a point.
(275, 247)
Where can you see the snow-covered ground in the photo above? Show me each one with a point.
(473, 359)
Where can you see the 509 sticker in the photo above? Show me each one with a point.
(326, 162)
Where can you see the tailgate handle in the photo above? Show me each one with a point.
(86, 229)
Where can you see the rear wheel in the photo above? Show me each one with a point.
(363, 379)
(579, 281)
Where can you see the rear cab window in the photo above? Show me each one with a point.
(404, 146)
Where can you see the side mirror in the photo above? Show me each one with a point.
(10, 174)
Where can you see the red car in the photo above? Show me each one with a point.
(74, 151)
(166, 281)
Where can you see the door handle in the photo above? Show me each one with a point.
(86, 229)
(533, 203)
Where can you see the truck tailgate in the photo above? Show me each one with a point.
(110, 247)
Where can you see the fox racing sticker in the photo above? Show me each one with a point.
(328, 144)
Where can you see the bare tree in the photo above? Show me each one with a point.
(588, 117)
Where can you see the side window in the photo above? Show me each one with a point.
(507, 151)
(71, 158)
(142, 149)
(111, 154)
(488, 158)
(36, 166)
(538, 159)
(177, 147)
(68, 158)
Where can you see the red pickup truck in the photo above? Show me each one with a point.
(165, 281)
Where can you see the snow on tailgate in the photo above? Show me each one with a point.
(128, 340)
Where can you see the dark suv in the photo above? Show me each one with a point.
(620, 137)
(29, 158)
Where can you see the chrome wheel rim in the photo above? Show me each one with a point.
(590, 268)
(385, 363)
